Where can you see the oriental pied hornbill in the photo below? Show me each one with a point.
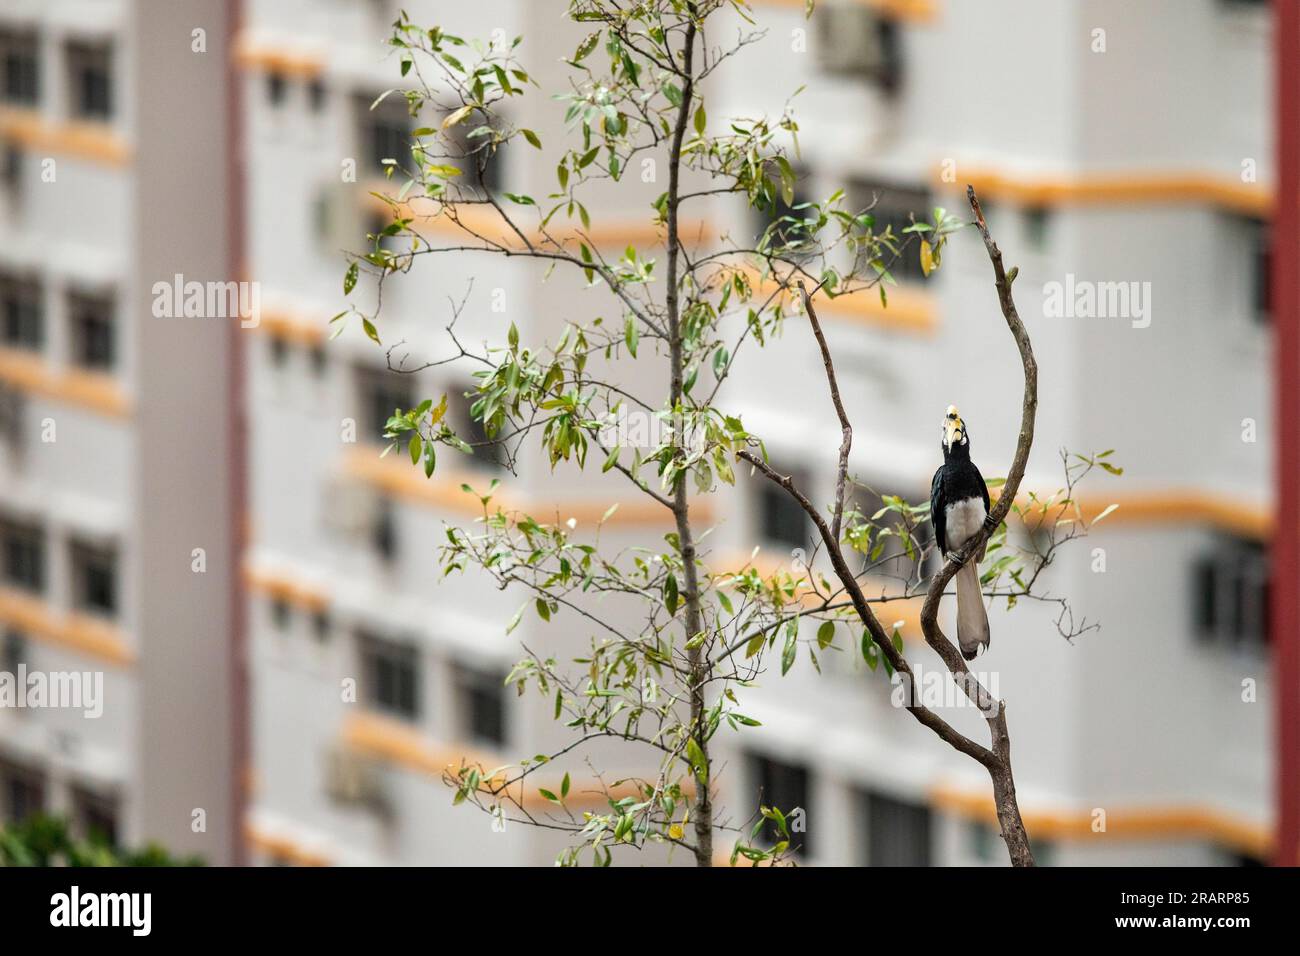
(959, 507)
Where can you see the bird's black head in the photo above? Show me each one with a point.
(956, 442)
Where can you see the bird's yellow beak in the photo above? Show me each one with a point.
(952, 427)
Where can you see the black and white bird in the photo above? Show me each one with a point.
(959, 506)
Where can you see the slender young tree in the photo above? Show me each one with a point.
(669, 677)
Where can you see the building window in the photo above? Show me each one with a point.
(784, 786)
(391, 675)
(894, 209)
(280, 613)
(482, 705)
(94, 579)
(320, 626)
(23, 552)
(22, 792)
(385, 131)
(319, 361)
(11, 169)
(13, 652)
(92, 322)
(856, 41)
(1259, 248)
(482, 163)
(90, 74)
(1231, 589)
(279, 352)
(23, 313)
(487, 453)
(316, 95)
(782, 521)
(95, 816)
(898, 833)
(276, 88)
(384, 532)
(20, 66)
(1037, 220)
(383, 392)
(893, 559)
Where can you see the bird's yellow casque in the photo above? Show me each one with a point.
(953, 428)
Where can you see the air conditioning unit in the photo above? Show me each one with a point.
(354, 781)
(351, 509)
(854, 40)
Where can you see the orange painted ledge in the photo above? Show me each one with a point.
(913, 11)
(388, 740)
(281, 587)
(29, 372)
(1170, 822)
(1174, 506)
(909, 309)
(1254, 199)
(395, 475)
(473, 220)
(95, 142)
(392, 741)
(33, 617)
(282, 847)
(292, 326)
(274, 57)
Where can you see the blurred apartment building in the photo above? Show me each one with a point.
(1097, 159)
(117, 554)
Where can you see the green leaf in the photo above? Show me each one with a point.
(543, 609)
(564, 786)
(825, 634)
(532, 138)
(697, 760)
(631, 335)
(700, 120)
(415, 449)
(350, 279)
(788, 654)
(670, 593)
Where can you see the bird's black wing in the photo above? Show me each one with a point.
(938, 519)
(984, 488)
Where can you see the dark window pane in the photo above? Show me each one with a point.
(895, 208)
(391, 677)
(23, 792)
(487, 453)
(784, 786)
(94, 579)
(90, 81)
(96, 816)
(22, 547)
(385, 531)
(13, 652)
(275, 88)
(382, 392)
(22, 312)
(385, 131)
(482, 705)
(898, 833)
(1231, 585)
(19, 69)
(92, 324)
(782, 520)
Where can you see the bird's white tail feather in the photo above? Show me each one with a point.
(972, 619)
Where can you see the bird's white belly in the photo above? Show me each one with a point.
(963, 519)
